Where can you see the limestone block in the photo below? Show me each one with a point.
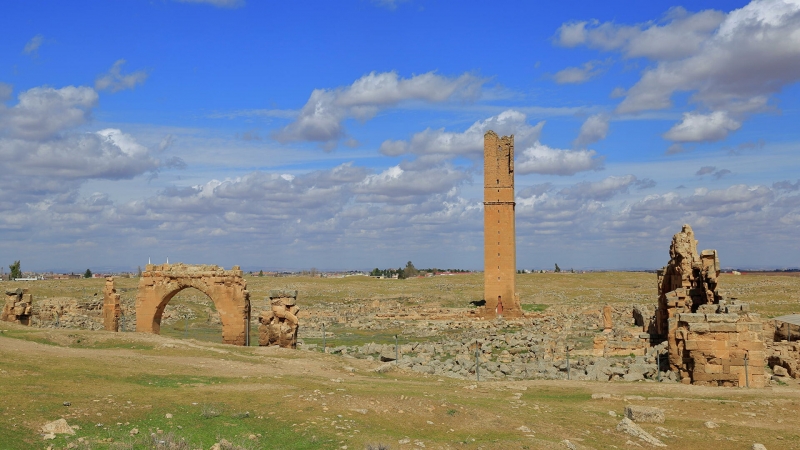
(691, 317)
(726, 318)
(724, 327)
(644, 414)
(699, 327)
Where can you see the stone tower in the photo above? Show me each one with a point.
(499, 233)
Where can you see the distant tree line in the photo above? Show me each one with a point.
(409, 271)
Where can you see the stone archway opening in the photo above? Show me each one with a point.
(227, 289)
(191, 313)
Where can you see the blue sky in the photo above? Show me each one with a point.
(348, 134)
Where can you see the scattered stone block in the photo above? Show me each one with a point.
(629, 427)
(644, 414)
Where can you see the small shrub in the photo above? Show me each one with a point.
(377, 447)
(451, 412)
(211, 411)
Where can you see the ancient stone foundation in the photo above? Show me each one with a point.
(718, 349)
(111, 307)
(18, 307)
(226, 288)
(712, 341)
(279, 325)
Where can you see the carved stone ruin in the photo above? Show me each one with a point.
(499, 232)
(712, 341)
(279, 325)
(18, 307)
(226, 288)
(111, 307)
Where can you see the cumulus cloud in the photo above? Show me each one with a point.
(32, 47)
(469, 142)
(43, 112)
(703, 127)
(594, 129)
(320, 120)
(577, 75)
(218, 3)
(600, 190)
(541, 159)
(42, 155)
(731, 64)
(752, 54)
(115, 81)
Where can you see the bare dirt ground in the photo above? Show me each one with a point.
(129, 390)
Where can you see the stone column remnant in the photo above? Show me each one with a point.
(111, 306)
(18, 307)
(607, 323)
(279, 325)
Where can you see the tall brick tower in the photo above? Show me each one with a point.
(499, 233)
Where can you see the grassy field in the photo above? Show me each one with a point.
(283, 399)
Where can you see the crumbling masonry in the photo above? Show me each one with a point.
(279, 325)
(18, 307)
(712, 341)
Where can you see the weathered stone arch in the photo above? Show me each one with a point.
(226, 288)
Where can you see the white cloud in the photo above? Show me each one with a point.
(469, 142)
(703, 127)
(32, 47)
(594, 129)
(678, 35)
(753, 54)
(320, 120)
(731, 63)
(43, 112)
(41, 154)
(545, 160)
(577, 75)
(115, 81)
(600, 190)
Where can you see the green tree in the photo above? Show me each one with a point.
(375, 272)
(139, 271)
(558, 269)
(261, 273)
(401, 274)
(15, 271)
(410, 270)
(87, 274)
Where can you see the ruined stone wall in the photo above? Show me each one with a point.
(786, 355)
(711, 340)
(688, 281)
(18, 307)
(713, 349)
(500, 254)
(226, 288)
